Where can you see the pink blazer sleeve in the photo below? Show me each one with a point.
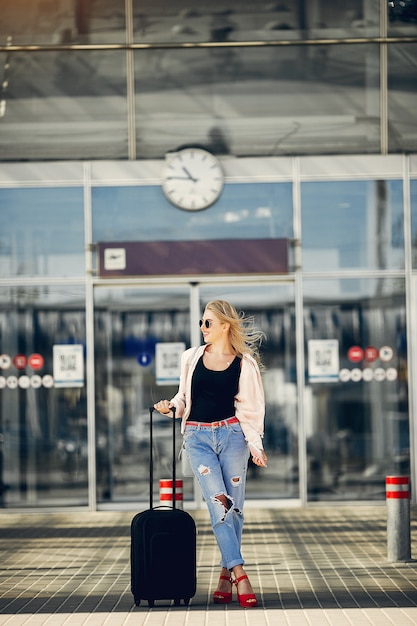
(250, 402)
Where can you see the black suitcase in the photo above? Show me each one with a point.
(163, 547)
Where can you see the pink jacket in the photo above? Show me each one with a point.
(249, 401)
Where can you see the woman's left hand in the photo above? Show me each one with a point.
(258, 456)
(164, 407)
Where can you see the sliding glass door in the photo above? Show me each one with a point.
(133, 327)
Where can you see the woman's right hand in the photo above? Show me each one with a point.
(258, 456)
(163, 406)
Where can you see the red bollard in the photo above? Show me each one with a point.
(398, 518)
(166, 492)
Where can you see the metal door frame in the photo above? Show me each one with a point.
(194, 307)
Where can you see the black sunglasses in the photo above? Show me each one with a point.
(207, 323)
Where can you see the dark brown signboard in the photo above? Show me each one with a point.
(191, 258)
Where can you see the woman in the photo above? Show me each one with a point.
(221, 403)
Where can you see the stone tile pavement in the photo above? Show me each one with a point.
(314, 566)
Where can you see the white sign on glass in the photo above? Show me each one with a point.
(168, 362)
(68, 360)
(323, 360)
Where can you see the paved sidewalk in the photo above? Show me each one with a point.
(321, 565)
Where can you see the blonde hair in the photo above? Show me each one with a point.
(244, 337)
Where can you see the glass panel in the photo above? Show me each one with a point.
(43, 429)
(272, 307)
(402, 18)
(331, 213)
(42, 232)
(143, 214)
(64, 105)
(357, 425)
(402, 92)
(259, 101)
(46, 22)
(128, 324)
(413, 185)
(178, 21)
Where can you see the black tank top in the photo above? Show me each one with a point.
(213, 393)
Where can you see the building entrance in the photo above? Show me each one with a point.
(134, 324)
(76, 383)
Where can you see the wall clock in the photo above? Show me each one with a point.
(192, 179)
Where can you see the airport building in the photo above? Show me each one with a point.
(158, 154)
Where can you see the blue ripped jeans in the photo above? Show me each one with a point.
(219, 457)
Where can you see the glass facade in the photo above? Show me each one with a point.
(357, 429)
(243, 211)
(64, 104)
(413, 194)
(352, 225)
(129, 323)
(182, 21)
(401, 94)
(313, 100)
(138, 78)
(310, 110)
(339, 329)
(273, 309)
(43, 442)
(42, 231)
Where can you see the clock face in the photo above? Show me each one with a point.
(192, 179)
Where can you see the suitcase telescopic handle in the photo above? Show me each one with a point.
(174, 464)
(174, 467)
(151, 457)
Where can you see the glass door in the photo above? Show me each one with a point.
(273, 310)
(43, 397)
(357, 422)
(130, 325)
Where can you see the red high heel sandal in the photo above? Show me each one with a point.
(245, 599)
(223, 597)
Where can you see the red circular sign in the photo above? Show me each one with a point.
(20, 361)
(371, 354)
(36, 361)
(355, 354)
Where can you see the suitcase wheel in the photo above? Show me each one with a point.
(177, 601)
(151, 603)
(137, 601)
(186, 601)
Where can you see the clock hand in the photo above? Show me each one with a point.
(181, 178)
(189, 175)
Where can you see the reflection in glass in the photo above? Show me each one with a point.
(249, 210)
(272, 307)
(43, 429)
(161, 21)
(357, 428)
(42, 232)
(402, 18)
(314, 100)
(64, 105)
(354, 224)
(128, 325)
(25, 22)
(413, 194)
(402, 91)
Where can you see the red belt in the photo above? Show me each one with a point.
(229, 420)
